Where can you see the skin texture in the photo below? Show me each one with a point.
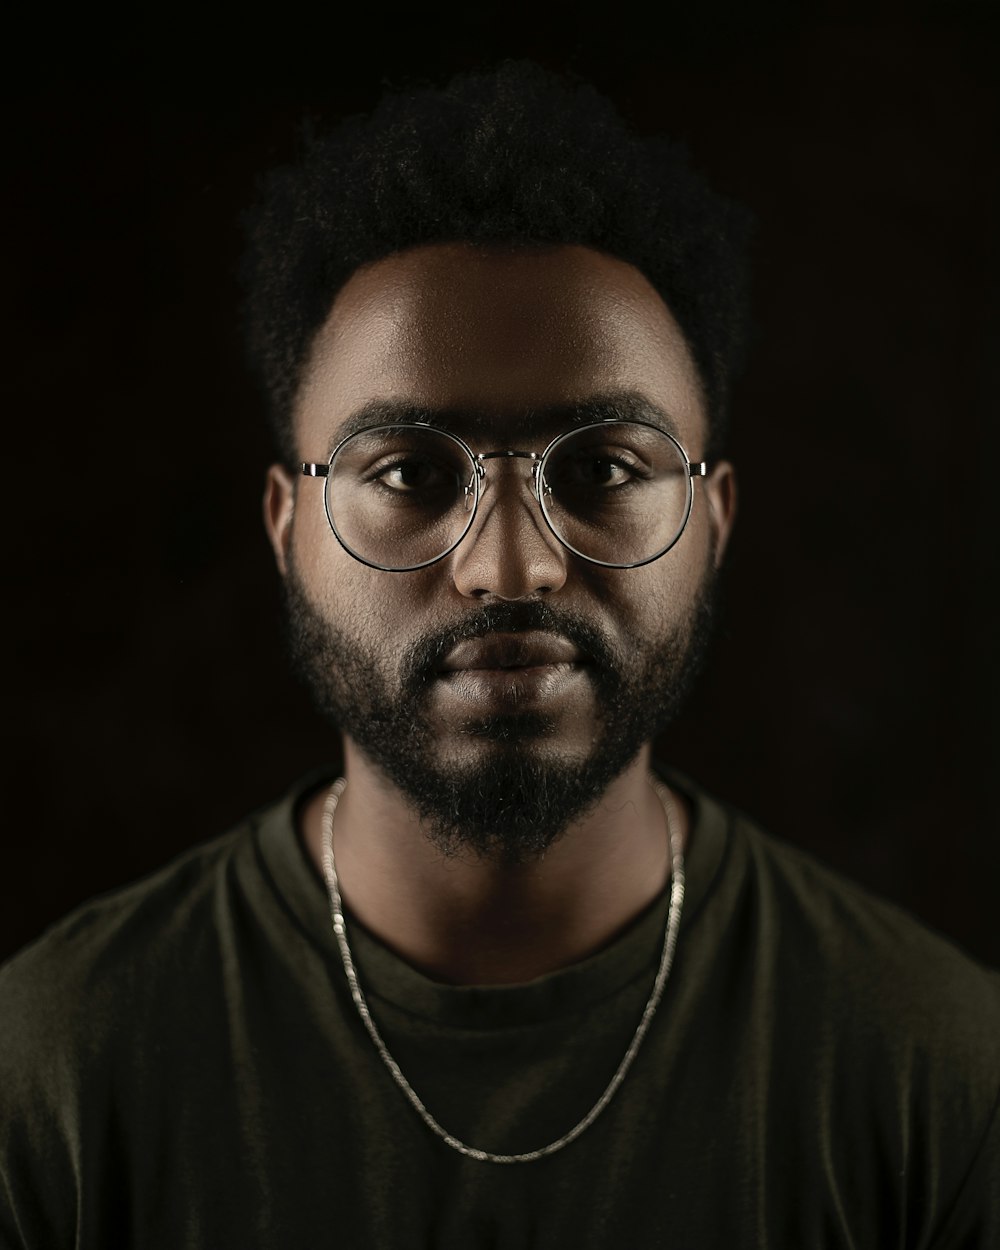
(498, 333)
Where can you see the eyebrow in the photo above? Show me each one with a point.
(472, 423)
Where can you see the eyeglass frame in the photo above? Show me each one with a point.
(694, 468)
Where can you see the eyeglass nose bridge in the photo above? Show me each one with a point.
(537, 482)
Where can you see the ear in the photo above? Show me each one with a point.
(720, 491)
(279, 509)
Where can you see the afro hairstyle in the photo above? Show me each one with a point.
(512, 156)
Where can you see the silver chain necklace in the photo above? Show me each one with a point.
(666, 959)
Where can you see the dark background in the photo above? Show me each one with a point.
(850, 706)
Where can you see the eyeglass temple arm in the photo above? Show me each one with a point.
(315, 470)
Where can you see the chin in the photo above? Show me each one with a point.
(511, 728)
(504, 800)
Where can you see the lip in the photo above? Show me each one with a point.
(513, 654)
(513, 671)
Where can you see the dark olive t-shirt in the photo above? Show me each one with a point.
(181, 1066)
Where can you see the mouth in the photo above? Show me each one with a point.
(513, 669)
(507, 653)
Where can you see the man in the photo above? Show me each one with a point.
(507, 981)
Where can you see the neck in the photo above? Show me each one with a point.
(468, 921)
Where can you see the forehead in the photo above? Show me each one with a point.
(497, 335)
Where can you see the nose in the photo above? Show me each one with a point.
(509, 553)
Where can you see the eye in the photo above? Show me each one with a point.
(596, 468)
(415, 473)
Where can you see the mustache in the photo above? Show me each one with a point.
(423, 659)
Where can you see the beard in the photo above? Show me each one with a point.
(520, 795)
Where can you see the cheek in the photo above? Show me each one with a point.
(312, 542)
(691, 558)
(380, 610)
(653, 601)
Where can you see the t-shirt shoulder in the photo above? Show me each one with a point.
(115, 949)
(882, 963)
(95, 922)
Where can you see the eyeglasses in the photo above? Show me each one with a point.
(401, 497)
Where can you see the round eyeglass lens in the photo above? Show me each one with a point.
(618, 492)
(400, 496)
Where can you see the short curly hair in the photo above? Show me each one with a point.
(513, 155)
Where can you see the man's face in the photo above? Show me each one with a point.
(502, 688)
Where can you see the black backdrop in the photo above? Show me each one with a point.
(850, 705)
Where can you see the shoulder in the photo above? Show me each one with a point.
(793, 895)
(858, 973)
(164, 922)
(886, 994)
(78, 1007)
(116, 964)
(825, 915)
(905, 1027)
(110, 950)
(882, 1034)
(121, 1011)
